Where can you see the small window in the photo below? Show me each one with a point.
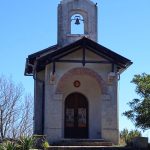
(77, 24)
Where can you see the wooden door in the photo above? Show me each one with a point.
(76, 116)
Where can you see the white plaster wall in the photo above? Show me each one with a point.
(77, 55)
(102, 69)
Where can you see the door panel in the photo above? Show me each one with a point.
(70, 117)
(76, 116)
(82, 117)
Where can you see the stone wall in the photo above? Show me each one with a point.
(101, 96)
(66, 9)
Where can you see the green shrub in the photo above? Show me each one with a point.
(45, 144)
(127, 136)
(8, 145)
(26, 143)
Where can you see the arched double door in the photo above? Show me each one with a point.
(76, 116)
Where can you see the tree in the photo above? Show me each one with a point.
(127, 136)
(139, 113)
(26, 121)
(23, 126)
(15, 110)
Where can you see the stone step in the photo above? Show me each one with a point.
(89, 148)
(83, 142)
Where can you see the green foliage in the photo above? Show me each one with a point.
(124, 135)
(139, 113)
(142, 84)
(26, 143)
(8, 145)
(45, 144)
(127, 136)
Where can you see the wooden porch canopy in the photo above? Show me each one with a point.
(53, 54)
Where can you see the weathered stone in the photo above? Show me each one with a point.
(68, 8)
(140, 142)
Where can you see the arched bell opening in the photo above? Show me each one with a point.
(77, 24)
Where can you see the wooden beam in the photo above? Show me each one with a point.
(53, 67)
(98, 53)
(65, 53)
(113, 67)
(83, 61)
(102, 55)
(86, 61)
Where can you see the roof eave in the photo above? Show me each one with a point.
(126, 67)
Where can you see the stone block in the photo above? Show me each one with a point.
(53, 134)
(54, 121)
(58, 96)
(140, 142)
(111, 135)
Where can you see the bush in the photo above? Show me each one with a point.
(8, 145)
(128, 136)
(26, 143)
(45, 144)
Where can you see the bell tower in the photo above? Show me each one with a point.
(76, 18)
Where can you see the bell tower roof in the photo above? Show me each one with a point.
(76, 21)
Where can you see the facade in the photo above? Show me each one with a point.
(76, 81)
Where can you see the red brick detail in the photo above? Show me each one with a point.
(81, 71)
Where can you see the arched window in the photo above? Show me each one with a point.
(77, 24)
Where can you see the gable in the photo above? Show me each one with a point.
(84, 47)
(78, 55)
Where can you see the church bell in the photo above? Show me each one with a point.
(77, 21)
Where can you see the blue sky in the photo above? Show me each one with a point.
(27, 26)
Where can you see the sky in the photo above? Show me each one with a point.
(27, 26)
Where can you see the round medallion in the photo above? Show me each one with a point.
(76, 83)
